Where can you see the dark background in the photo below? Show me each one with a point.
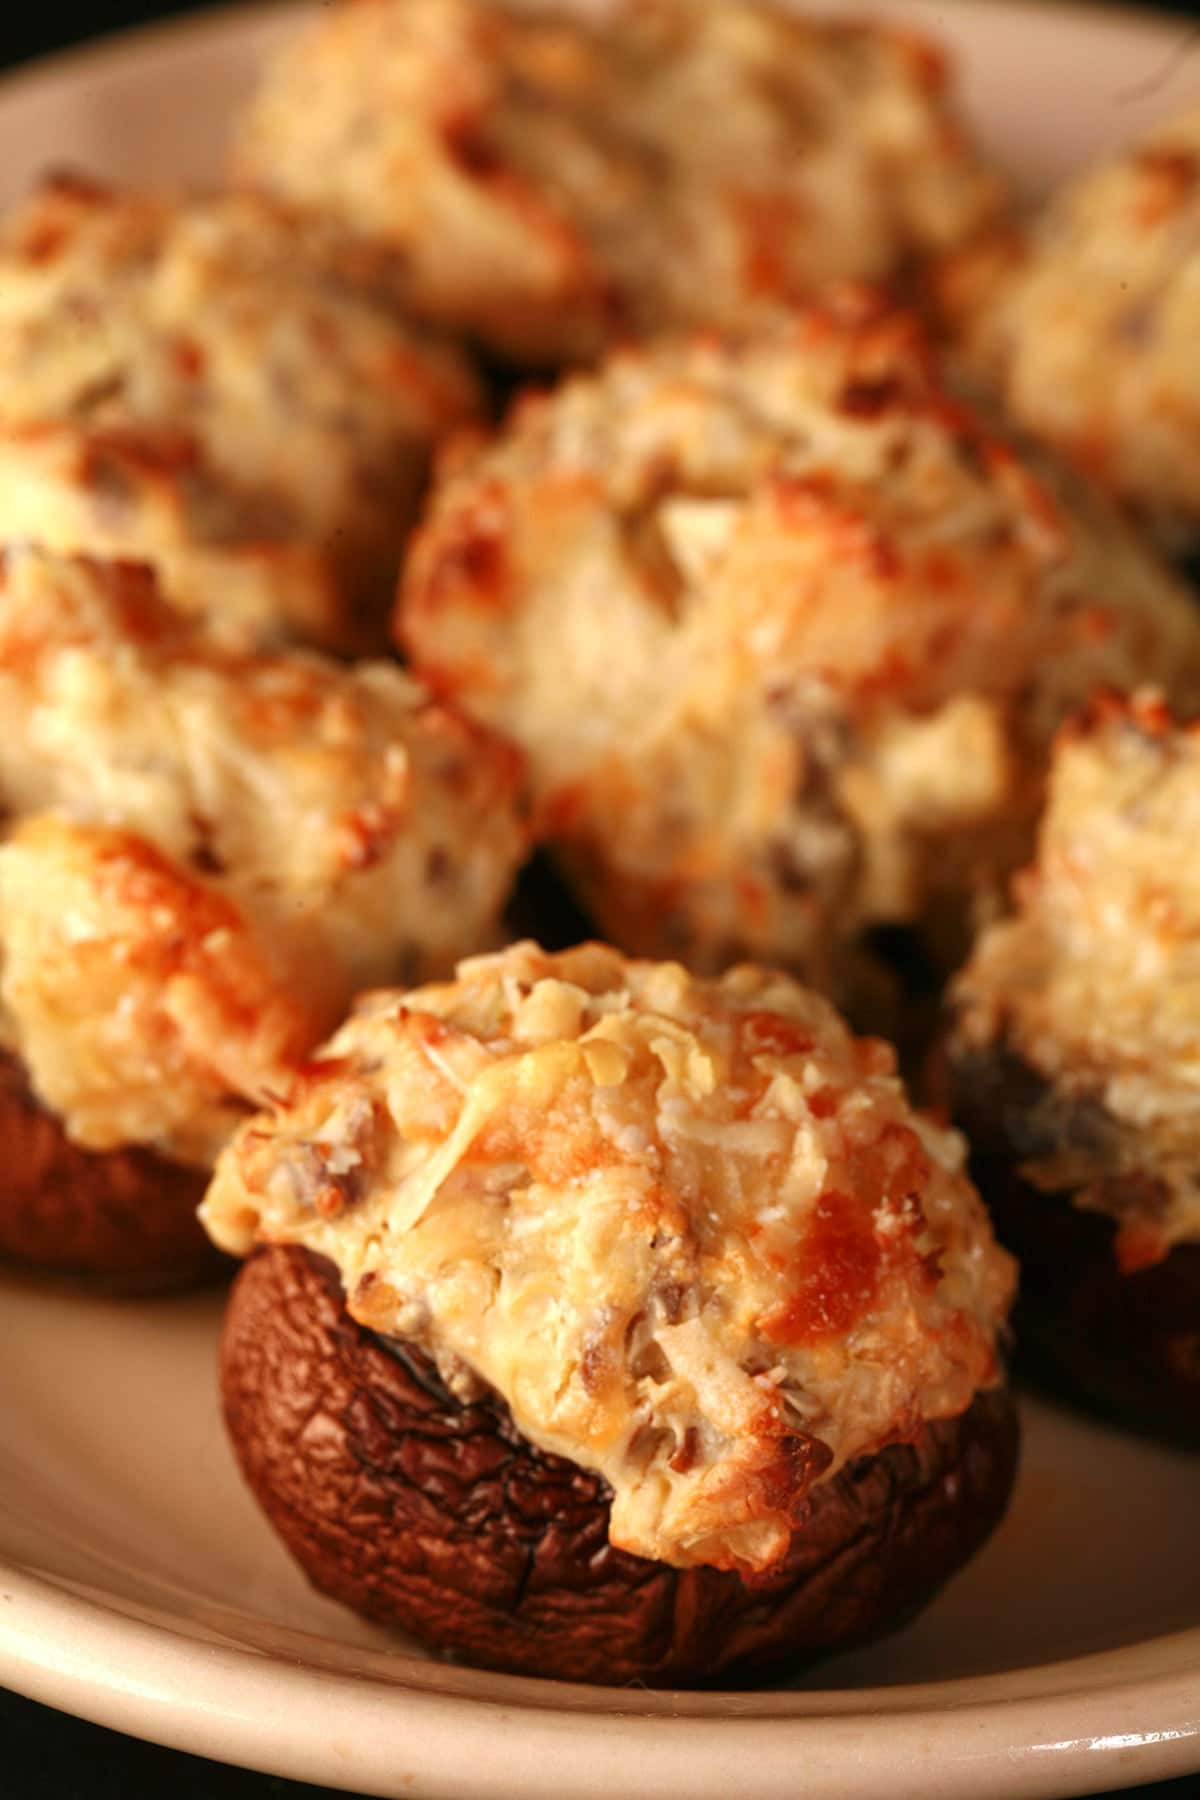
(38, 28)
(30, 29)
(45, 1755)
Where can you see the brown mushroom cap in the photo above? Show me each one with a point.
(127, 1216)
(441, 1519)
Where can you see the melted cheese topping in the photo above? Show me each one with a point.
(692, 1232)
(355, 830)
(216, 386)
(1088, 328)
(785, 631)
(546, 181)
(146, 1008)
(140, 494)
(1095, 983)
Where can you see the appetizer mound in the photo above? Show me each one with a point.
(685, 1237)
(785, 632)
(553, 181)
(214, 387)
(1075, 1056)
(1087, 327)
(212, 852)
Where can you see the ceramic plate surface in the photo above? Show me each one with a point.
(138, 1585)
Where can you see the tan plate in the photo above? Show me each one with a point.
(138, 1584)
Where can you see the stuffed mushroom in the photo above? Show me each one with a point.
(226, 389)
(543, 176)
(604, 1322)
(785, 630)
(208, 854)
(1074, 1057)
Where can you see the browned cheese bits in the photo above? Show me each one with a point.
(690, 1232)
(213, 851)
(1087, 326)
(553, 182)
(222, 388)
(785, 631)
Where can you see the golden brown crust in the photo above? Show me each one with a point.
(545, 181)
(126, 1216)
(213, 851)
(144, 492)
(1085, 324)
(440, 1519)
(144, 1006)
(226, 389)
(1093, 983)
(785, 630)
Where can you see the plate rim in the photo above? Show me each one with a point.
(1152, 1724)
(104, 46)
